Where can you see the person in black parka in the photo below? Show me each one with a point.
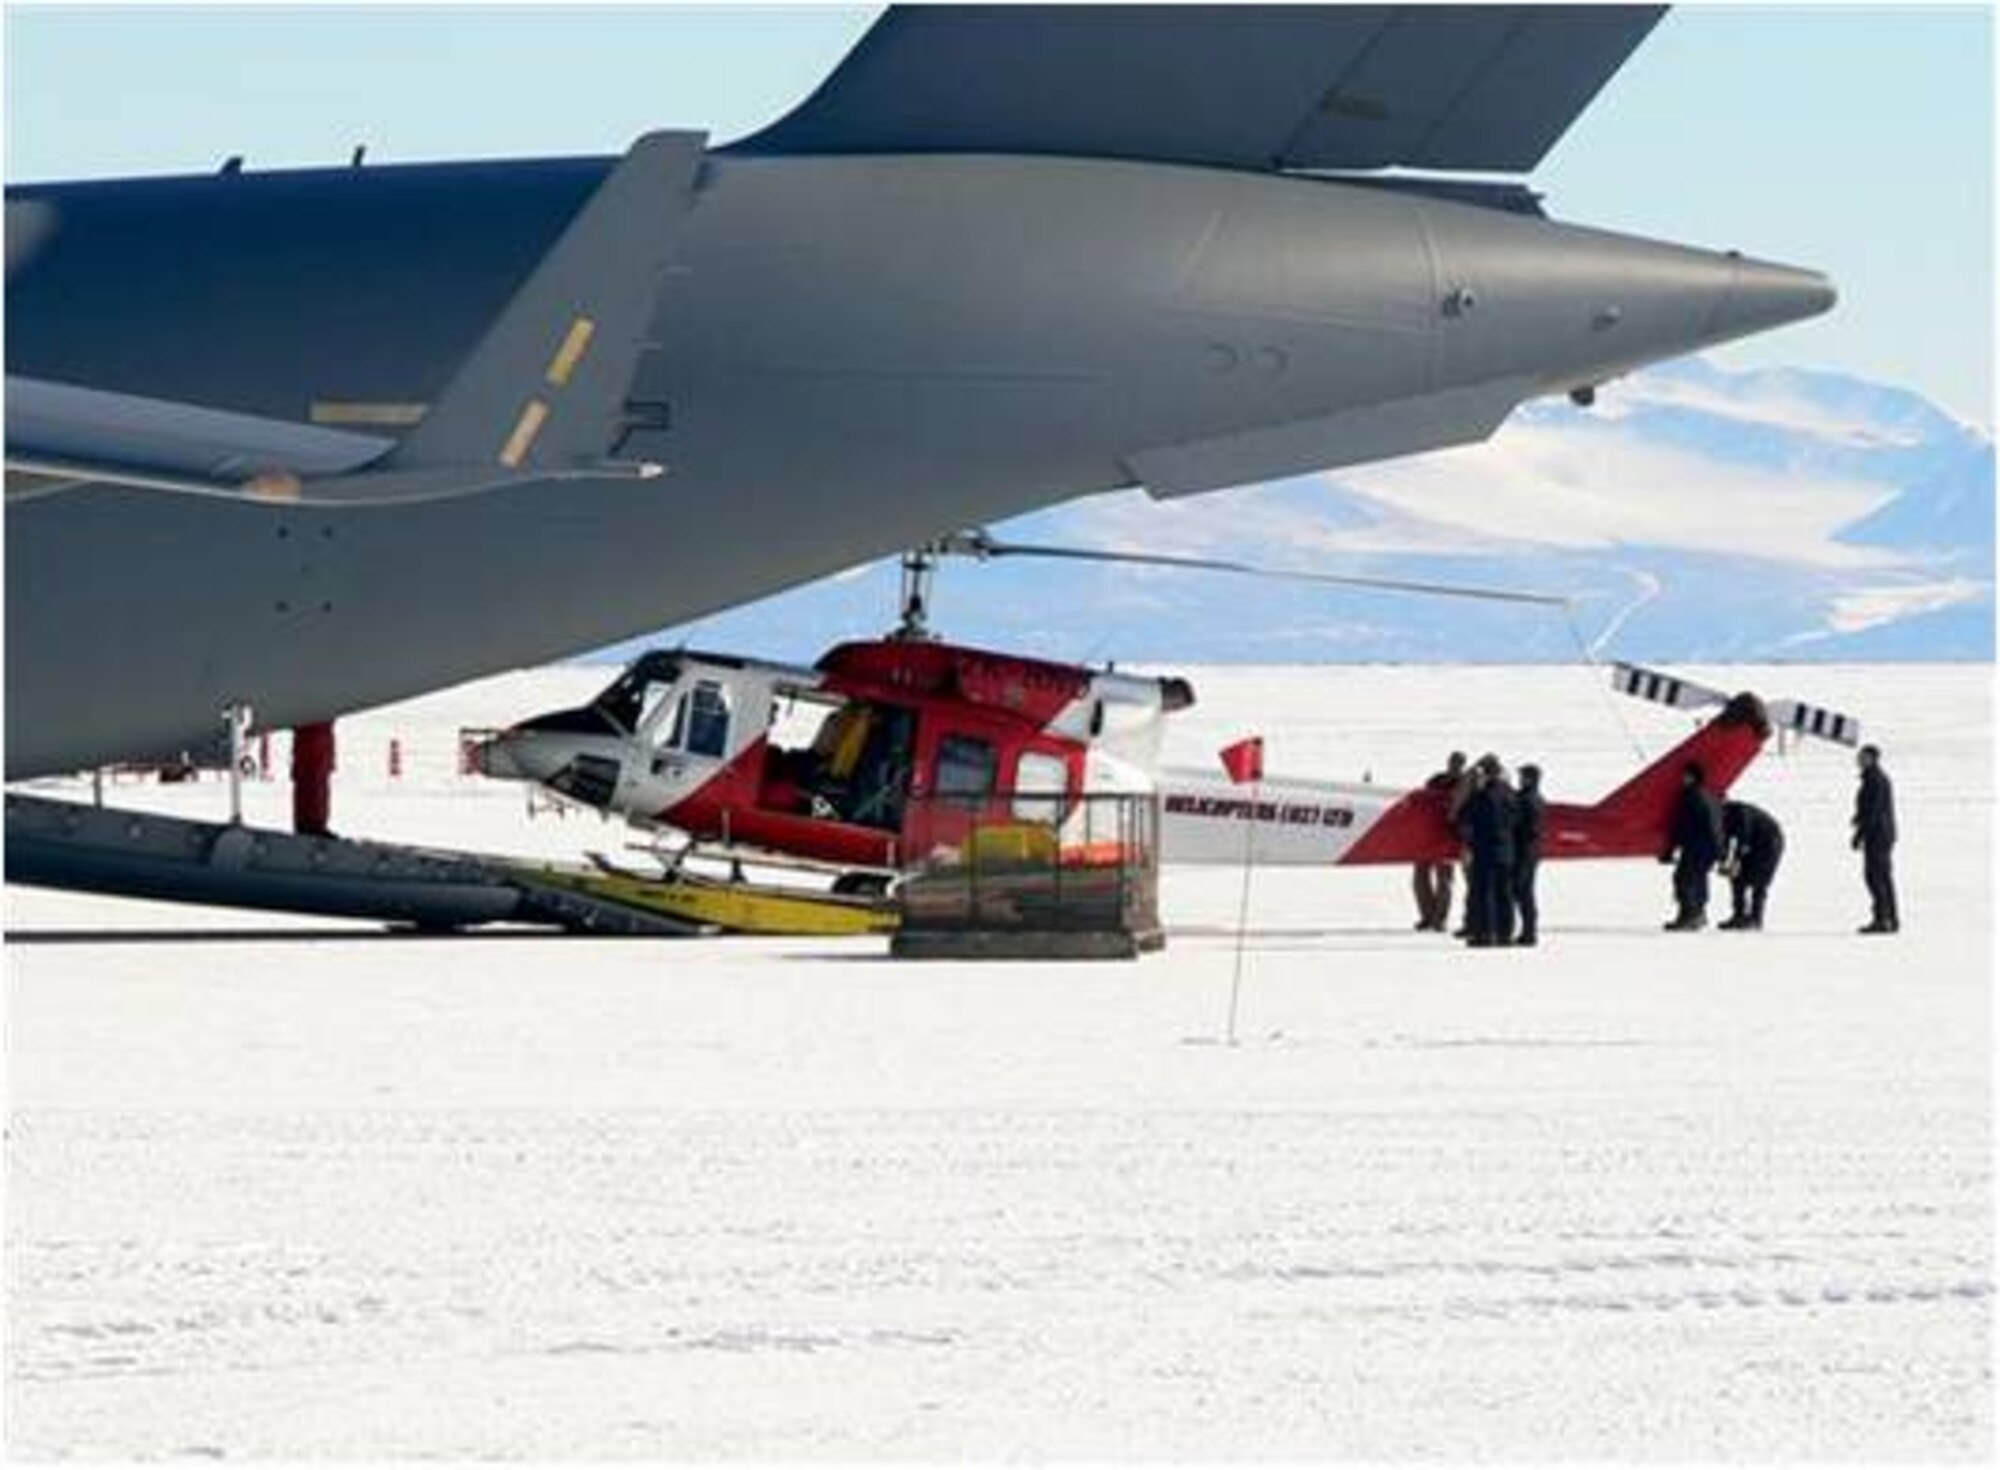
(1528, 817)
(1694, 845)
(1754, 844)
(1486, 823)
(1875, 840)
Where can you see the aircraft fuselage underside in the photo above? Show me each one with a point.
(848, 356)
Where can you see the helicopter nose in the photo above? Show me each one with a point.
(536, 749)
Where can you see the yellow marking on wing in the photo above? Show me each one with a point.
(522, 439)
(274, 485)
(575, 342)
(356, 411)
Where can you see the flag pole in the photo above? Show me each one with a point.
(1243, 906)
(1244, 763)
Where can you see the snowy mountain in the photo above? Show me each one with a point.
(1695, 514)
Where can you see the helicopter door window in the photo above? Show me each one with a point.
(707, 712)
(649, 704)
(966, 767)
(1040, 784)
(881, 771)
(677, 727)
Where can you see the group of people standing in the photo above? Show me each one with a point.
(1746, 843)
(1501, 826)
(1742, 841)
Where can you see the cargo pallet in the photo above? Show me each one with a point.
(1079, 884)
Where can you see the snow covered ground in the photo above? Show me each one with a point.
(290, 1187)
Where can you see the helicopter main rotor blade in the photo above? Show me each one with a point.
(984, 547)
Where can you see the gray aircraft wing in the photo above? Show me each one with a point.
(543, 396)
(1318, 87)
(61, 437)
(59, 434)
(1352, 436)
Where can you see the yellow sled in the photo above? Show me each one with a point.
(730, 908)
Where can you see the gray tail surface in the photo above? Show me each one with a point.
(545, 390)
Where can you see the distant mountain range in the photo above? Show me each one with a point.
(1695, 514)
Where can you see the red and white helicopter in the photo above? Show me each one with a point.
(887, 750)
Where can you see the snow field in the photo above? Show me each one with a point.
(290, 1187)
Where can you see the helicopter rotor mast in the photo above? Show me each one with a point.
(919, 576)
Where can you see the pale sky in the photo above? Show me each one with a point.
(1858, 140)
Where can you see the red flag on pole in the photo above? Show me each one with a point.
(1244, 760)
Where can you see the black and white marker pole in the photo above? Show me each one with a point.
(236, 722)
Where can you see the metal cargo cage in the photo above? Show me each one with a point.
(1031, 875)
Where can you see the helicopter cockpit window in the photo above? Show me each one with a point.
(707, 712)
(966, 767)
(633, 698)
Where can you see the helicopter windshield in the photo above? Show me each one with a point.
(631, 700)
